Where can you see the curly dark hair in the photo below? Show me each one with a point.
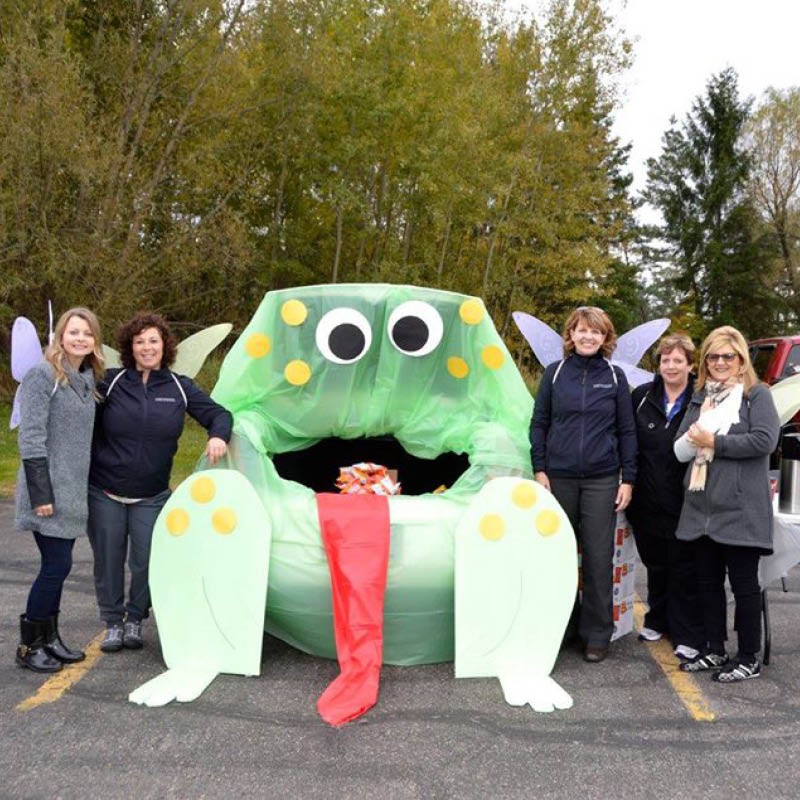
(133, 327)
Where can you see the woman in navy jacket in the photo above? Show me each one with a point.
(583, 441)
(136, 436)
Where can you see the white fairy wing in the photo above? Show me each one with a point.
(111, 357)
(546, 344)
(636, 377)
(631, 346)
(194, 350)
(26, 350)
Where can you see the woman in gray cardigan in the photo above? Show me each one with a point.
(728, 433)
(57, 405)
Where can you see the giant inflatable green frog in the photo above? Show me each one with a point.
(483, 572)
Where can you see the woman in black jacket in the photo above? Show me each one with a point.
(659, 407)
(136, 436)
(583, 440)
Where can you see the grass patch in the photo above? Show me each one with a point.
(9, 456)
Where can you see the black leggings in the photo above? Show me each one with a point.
(712, 559)
(44, 599)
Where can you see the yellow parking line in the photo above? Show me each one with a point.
(683, 684)
(59, 682)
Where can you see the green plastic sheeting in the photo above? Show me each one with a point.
(463, 394)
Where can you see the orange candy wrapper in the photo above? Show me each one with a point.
(367, 478)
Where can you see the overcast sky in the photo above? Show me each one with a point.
(679, 44)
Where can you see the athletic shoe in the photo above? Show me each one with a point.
(112, 641)
(685, 652)
(132, 637)
(701, 663)
(736, 672)
(649, 635)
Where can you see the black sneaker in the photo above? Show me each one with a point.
(705, 662)
(132, 636)
(112, 641)
(736, 672)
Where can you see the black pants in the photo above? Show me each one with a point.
(589, 504)
(116, 530)
(44, 599)
(671, 588)
(741, 563)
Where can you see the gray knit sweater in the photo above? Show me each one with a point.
(57, 426)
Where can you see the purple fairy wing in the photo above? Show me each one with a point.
(26, 350)
(14, 421)
(546, 344)
(636, 377)
(631, 346)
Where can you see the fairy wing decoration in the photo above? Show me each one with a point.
(26, 352)
(547, 345)
(192, 351)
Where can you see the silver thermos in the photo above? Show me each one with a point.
(789, 501)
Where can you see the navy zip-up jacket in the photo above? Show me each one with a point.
(138, 425)
(583, 424)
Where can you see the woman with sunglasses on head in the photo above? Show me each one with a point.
(57, 409)
(728, 433)
(659, 408)
(583, 440)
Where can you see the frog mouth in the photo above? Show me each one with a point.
(317, 467)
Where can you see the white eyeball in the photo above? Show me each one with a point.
(415, 328)
(343, 335)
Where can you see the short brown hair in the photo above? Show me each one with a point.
(141, 322)
(676, 341)
(596, 318)
(727, 334)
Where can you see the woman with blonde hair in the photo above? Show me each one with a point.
(659, 408)
(728, 433)
(57, 407)
(583, 441)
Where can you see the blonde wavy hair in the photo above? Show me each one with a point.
(54, 354)
(595, 318)
(727, 335)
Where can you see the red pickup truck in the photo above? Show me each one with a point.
(776, 358)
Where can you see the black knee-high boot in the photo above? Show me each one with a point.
(56, 647)
(31, 653)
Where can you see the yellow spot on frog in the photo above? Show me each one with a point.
(471, 312)
(523, 495)
(224, 520)
(492, 356)
(257, 345)
(457, 367)
(203, 490)
(293, 312)
(492, 527)
(177, 522)
(297, 372)
(547, 522)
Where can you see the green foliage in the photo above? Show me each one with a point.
(9, 459)
(189, 156)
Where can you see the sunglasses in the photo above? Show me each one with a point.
(727, 357)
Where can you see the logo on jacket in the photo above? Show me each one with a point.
(165, 400)
(602, 386)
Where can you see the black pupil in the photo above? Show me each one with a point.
(346, 341)
(410, 334)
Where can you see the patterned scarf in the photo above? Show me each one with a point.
(716, 392)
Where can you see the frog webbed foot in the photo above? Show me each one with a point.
(184, 684)
(540, 692)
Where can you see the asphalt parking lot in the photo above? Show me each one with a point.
(629, 734)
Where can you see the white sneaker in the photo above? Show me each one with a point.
(684, 651)
(649, 635)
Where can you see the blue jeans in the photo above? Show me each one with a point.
(44, 599)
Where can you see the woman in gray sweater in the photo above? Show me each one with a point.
(57, 406)
(728, 433)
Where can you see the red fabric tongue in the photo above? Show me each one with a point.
(355, 531)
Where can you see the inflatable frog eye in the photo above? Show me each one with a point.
(415, 328)
(343, 335)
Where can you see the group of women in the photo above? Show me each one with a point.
(96, 448)
(689, 460)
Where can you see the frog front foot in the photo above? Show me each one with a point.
(540, 692)
(184, 684)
